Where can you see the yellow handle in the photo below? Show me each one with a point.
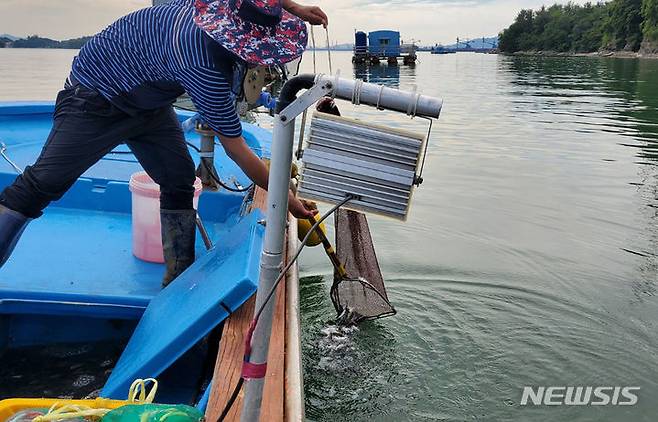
(340, 269)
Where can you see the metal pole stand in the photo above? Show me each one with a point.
(206, 169)
(272, 256)
(288, 108)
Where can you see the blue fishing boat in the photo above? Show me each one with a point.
(73, 277)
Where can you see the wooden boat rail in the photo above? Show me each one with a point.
(283, 391)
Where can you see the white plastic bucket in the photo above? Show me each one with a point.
(147, 235)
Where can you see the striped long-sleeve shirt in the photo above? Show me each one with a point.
(146, 59)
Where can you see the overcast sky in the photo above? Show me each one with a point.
(429, 21)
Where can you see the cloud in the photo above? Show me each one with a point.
(430, 21)
(62, 19)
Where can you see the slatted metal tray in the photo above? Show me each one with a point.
(348, 156)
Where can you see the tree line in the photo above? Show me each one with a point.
(628, 25)
(35, 41)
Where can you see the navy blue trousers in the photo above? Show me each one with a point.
(86, 126)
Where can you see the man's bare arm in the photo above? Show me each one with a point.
(238, 151)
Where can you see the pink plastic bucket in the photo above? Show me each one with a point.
(147, 237)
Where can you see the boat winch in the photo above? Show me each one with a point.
(348, 163)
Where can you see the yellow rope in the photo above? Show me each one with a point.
(60, 412)
(139, 387)
(137, 394)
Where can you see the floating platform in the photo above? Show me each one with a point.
(380, 46)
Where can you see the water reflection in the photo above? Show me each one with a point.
(626, 89)
(384, 74)
(625, 93)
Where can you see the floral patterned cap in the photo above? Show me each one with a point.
(258, 31)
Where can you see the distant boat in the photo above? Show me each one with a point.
(439, 49)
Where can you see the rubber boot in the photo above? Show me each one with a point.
(178, 233)
(12, 224)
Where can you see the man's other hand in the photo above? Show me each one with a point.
(300, 209)
(311, 14)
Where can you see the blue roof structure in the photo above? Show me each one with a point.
(384, 43)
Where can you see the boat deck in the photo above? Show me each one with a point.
(80, 250)
(68, 259)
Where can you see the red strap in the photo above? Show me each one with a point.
(247, 339)
(253, 370)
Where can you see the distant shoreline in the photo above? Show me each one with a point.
(35, 41)
(611, 54)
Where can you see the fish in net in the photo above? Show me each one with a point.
(358, 294)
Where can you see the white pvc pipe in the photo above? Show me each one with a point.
(360, 92)
(271, 258)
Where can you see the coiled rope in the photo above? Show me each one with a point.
(137, 394)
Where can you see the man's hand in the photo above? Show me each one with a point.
(311, 14)
(300, 209)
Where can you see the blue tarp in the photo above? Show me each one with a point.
(191, 306)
